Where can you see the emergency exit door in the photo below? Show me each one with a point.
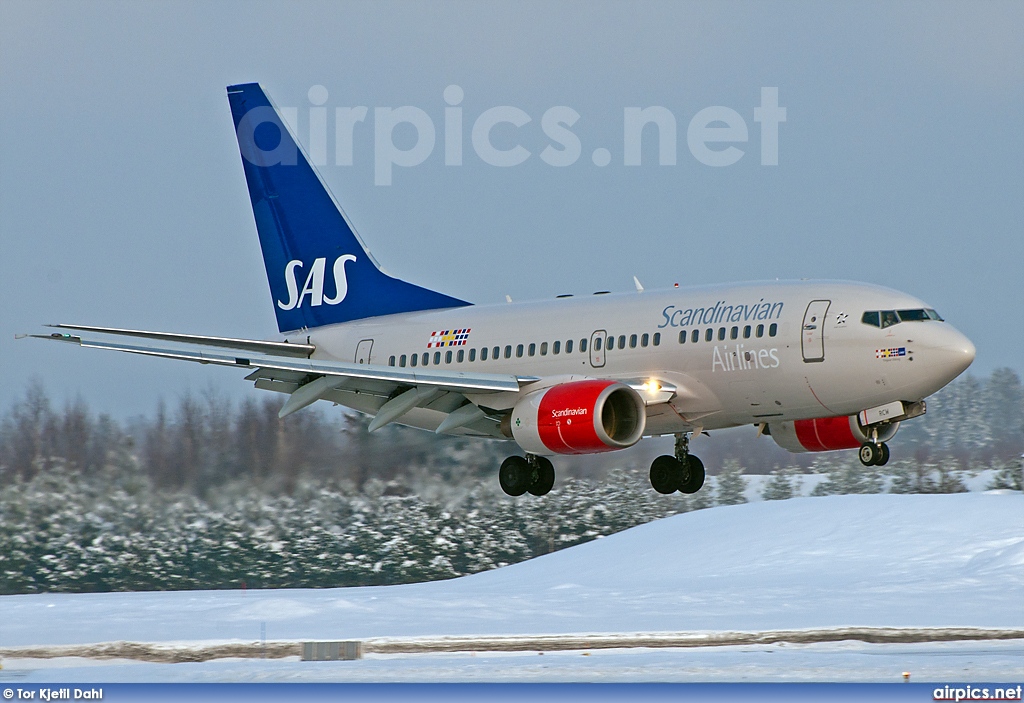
(597, 342)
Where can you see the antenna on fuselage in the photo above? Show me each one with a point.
(639, 287)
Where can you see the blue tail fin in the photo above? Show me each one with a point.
(319, 271)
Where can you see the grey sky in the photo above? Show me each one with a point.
(122, 198)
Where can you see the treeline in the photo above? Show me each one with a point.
(63, 531)
(204, 442)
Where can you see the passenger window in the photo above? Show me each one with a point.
(721, 334)
(746, 332)
(773, 329)
(415, 359)
(508, 351)
(611, 343)
(597, 344)
(632, 341)
(657, 338)
(391, 361)
(734, 333)
(447, 357)
(568, 346)
(461, 356)
(622, 341)
(760, 331)
(519, 351)
(483, 354)
(709, 334)
(533, 349)
(543, 348)
(401, 360)
(583, 346)
(425, 360)
(437, 358)
(472, 354)
(556, 347)
(871, 318)
(695, 336)
(889, 318)
(494, 352)
(644, 340)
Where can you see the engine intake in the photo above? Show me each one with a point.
(826, 434)
(580, 417)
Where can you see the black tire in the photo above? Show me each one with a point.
(869, 454)
(514, 475)
(883, 454)
(693, 476)
(666, 474)
(544, 478)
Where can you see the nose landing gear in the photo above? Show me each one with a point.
(683, 472)
(533, 473)
(874, 453)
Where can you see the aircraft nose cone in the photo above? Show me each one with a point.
(958, 352)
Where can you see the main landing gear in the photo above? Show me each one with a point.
(533, 473)
(683, 472)
(874, 453)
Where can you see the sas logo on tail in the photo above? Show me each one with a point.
(314, 285)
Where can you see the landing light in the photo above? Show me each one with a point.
(651, 387)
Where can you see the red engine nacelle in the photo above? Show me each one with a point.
(580, 417)
(826, 434)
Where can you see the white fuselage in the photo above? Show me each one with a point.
(777, 350)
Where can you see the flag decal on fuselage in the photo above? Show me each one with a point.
(448, 338)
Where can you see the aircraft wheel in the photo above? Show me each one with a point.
(666, 474)
(544, 477)
(869, 454)
(515, 475)
(883, 454)
(694, 475)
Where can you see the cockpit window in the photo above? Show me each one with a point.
(888, 318)
(912, 315)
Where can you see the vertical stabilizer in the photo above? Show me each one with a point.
(319, 271)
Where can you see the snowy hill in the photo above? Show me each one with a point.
(884, 560)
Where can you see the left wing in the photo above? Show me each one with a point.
(387, 392)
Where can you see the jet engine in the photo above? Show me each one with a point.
(828, 433)
(579, 417)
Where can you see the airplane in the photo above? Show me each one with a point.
(816, 365)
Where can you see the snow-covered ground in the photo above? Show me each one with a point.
(868, 560)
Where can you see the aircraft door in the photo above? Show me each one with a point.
(363, 351)
(597, 343)
(812, 340)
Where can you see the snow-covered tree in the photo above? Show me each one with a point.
(781, 486)
(1010, 474)
(847, 475)
(730, 484)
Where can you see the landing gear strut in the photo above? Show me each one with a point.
(874, 453)
(533, 473)
(683, 472)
